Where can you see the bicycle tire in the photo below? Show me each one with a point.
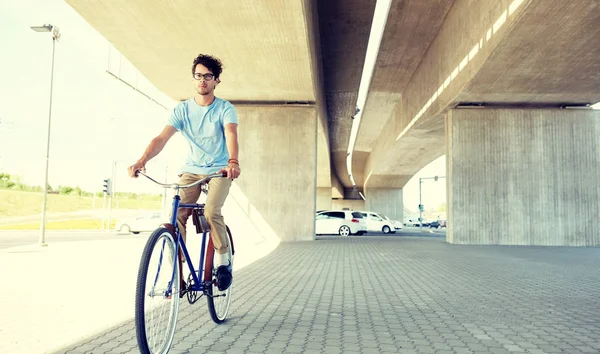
(219, 301)
(159, 270)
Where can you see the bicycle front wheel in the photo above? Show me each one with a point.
(157, 294)
(219, 301)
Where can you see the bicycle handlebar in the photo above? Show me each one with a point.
(178, 186)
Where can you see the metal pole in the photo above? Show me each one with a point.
(45, 203)
(110, 196)
(420, 209)
(103, 207)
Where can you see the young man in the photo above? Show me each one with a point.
(209, 124)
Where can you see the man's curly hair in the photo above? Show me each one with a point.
(212, 63)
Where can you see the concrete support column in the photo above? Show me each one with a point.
(350, 204)
(523, 177)
(387, 201)
(276, 193)
(324, 198)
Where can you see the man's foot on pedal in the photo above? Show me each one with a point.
(223, 266)
(224, 278)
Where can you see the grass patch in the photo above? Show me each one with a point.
(75, 224)
(20, 203)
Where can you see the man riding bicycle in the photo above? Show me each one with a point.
(209, 124)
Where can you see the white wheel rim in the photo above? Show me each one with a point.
(158, 309)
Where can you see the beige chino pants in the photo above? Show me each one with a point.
(218, 189)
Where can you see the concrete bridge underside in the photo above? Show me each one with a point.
(301, 61)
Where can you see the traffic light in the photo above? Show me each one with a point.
(106, 186)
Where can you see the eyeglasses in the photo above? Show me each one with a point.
(207, 77)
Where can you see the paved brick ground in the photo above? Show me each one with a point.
(396, 295)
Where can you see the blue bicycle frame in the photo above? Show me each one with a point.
(197, 285)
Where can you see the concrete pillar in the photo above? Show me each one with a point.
(351, 204)
(276, 192)
(337, 190)
(324, 198)
(387, 201)
(523, 177)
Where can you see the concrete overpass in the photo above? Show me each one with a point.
(522, 169)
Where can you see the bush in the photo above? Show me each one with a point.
(65, 190)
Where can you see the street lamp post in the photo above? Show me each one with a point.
(435, 178)
(55, 36)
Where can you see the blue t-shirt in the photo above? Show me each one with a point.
(203, 129)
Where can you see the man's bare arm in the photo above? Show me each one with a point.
(231, 138)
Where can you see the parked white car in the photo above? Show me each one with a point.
(142, 223)
(342, 222)
(397, 224)
(412, 222)
(377, 223)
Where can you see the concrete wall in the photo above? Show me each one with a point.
(277, 189)
(523, 177)
(352, 204)
(387, 201)
(323, 198)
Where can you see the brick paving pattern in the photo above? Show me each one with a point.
(395, 295)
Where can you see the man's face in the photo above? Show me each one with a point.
(204, 80)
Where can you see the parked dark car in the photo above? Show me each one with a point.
(437, 224)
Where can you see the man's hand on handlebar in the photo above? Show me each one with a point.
(133, 169)
(232, 171)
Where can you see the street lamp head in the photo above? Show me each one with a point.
(44, 28)
(48, 28)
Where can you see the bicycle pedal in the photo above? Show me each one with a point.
(221, 295)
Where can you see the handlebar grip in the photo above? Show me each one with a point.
(136, 173)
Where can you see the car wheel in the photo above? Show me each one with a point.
(386, 229)
(135, 232)
(344, 231)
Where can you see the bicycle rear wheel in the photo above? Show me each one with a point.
(219, 301)
(156, 299)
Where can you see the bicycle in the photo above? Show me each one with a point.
(160, 282)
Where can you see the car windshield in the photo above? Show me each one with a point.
(357, 215)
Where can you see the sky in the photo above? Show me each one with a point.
(433, 193)
(96, 119)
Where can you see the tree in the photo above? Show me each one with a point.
(5, 181)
